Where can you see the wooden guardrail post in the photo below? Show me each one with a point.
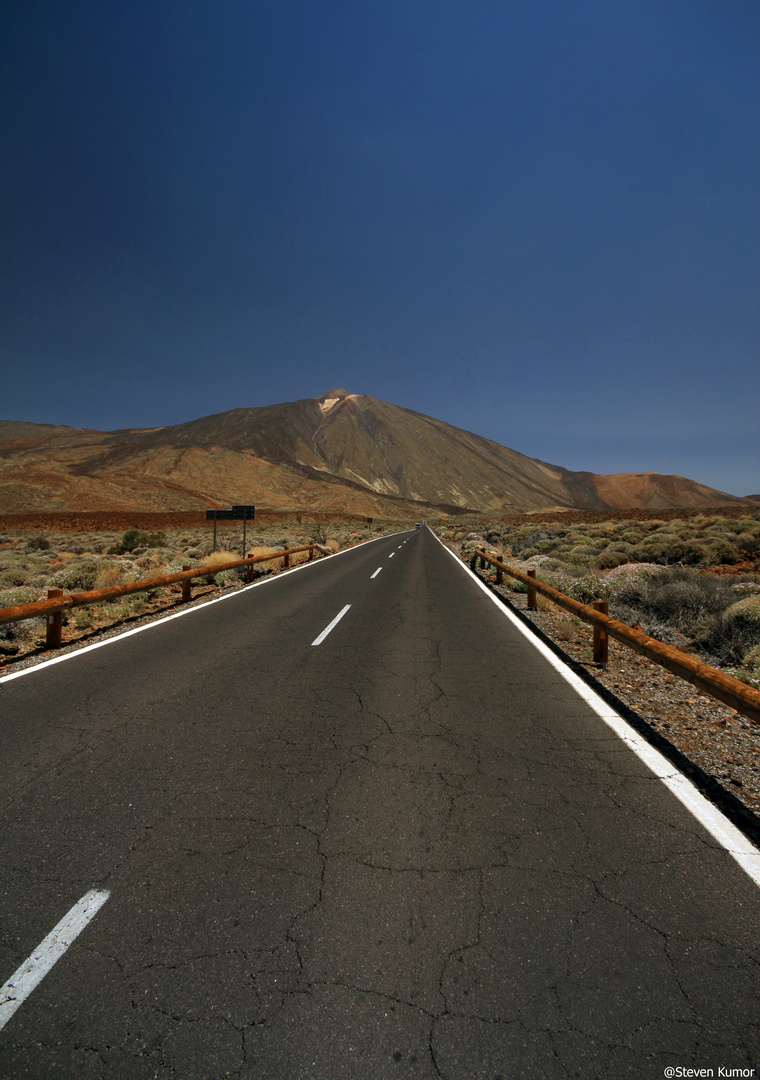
(311, 553)
(54, 623)
(531, 593)
(249, 570)
(286, 561)
(499, 576)
(718, 684)
(601, 640)
(187, 584)
(482, 563)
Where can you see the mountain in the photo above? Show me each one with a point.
(340, 452)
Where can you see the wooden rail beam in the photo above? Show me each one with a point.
(717, 684)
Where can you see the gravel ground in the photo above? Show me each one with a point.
(722, 744)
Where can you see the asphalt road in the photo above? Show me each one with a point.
(410, 850)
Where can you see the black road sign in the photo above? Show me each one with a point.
(239, 512)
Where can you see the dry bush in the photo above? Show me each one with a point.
(543, 603)
(567, 630)
(300, 557)
(263, 549)
(219, 558)
(109, 574)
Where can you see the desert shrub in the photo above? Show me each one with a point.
(587, 589)
(318, 533)
(79, 577)
(745, 613)
(13, 575)
(126, 607)
(748, 544)
(678, 597)
(133, 538)
(219, 558)
(228, 577)
(586, 549)
(264, 549)
(109, 574)
(631, 535)
(553, 565)
(735, 633)
(721, 551)
(23, 594)
(83, 618)
(300, 557)
(609, 559)
(38, 542)
(750, 668)
(567, 630)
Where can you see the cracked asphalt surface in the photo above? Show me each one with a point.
(410, 851)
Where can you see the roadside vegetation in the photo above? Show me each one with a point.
(693, 582)
(33, 561)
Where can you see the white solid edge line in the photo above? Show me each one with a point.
(376, 573)
(35, 968)
(714, 820)
(180, 614)
(333, 624)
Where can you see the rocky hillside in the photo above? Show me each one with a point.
(339, 452)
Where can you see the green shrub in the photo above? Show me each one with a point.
(133, 538)
(80, 577)
(587, 589)
(38, 542)
(609, 559)
(682, 598)
(24, 594)
(752, 659)
(83, 618)
(736, 633)
(12, 575)
(720, 551)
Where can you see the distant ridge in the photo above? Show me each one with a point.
(339, 452)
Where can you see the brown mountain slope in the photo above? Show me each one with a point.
(338, 452)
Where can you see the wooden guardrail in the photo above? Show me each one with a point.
(724, 687)
(58, 601)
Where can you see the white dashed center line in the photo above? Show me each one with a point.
(333, 624)
(391, 554)
(376, 572)
(33, 971)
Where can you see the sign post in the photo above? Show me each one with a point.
(240, 512)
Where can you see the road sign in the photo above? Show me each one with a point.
(239, 512)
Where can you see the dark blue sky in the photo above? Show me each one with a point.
(535, 220)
